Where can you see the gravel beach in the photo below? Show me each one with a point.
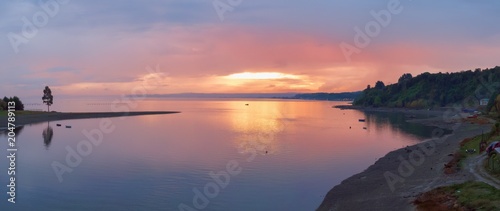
(393, 182)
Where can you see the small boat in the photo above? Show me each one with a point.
(68, 126)
(58, 125)
(364, 128)
(362, 120)
(246, 104)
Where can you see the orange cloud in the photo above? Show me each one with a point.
(201, 58)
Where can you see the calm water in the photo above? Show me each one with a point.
(289, 154)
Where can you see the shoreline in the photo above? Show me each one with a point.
(34, 118)
(432, 112)
(371, 189)
(437, 117)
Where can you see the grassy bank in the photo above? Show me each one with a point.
(471, 195)
(473, 144)
(465, 196)
(470, 147)
(4, 113)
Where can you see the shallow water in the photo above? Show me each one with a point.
(272, 155)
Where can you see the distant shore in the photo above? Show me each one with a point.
(434, 111)
(370, 189)
(430, 117)
(37, 117)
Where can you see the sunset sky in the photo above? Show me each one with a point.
(256, 46)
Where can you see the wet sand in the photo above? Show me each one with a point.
(371, 189)
(38, 117)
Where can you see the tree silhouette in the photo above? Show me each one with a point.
(47, 97)
(379, 85)
(405, 77)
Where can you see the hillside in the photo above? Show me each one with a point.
(435, 90)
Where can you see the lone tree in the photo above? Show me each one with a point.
(47, 97)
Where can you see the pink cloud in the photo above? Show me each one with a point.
(192, 56)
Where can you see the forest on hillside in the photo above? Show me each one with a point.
(435, 90)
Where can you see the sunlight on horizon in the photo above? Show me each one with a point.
(261, 76)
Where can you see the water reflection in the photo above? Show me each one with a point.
(47, 134)
(163, 160)
(397, 123)
(16, 131)
(258, 126)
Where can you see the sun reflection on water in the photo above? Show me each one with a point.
(258, 125)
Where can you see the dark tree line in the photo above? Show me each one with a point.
(434, 90)
(4, 103)
(47, 99)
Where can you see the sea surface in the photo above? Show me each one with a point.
(217, 154)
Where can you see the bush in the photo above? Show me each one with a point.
(420, 103)
(19, 104)
(3, 105)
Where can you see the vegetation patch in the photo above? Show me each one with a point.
(468, 147)
(4, 103)
(471, 147)
(433, 90)
(465, 196)
(495, 172)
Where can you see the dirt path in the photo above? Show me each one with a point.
(476, 168)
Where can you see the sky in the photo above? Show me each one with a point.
(237, 46)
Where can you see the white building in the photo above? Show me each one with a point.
(484, 102)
